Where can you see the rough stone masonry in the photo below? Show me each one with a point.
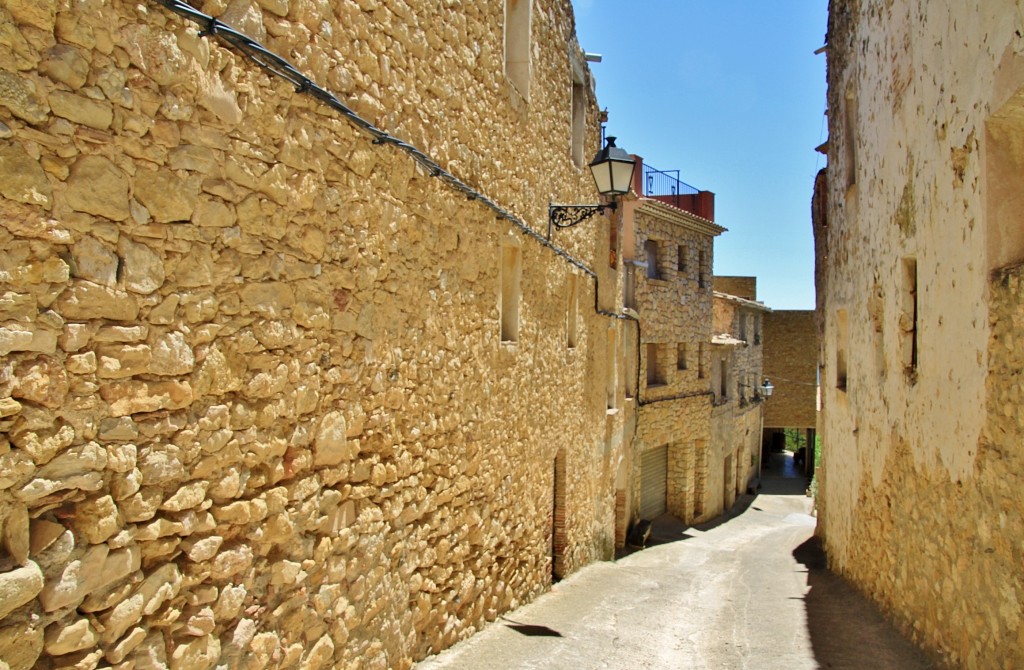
(256, 409)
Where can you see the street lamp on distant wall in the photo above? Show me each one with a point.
(612, 169)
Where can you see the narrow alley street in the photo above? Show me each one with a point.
(749, 590)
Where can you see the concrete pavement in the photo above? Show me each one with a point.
(749, 590)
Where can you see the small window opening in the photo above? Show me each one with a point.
(681, 259)
(681, 363)
(651, 252)
(655, 373)
(700, 361)
(518, 15)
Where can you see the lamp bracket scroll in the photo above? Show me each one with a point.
(567, 216)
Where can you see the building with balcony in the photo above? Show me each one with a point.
(667, 260)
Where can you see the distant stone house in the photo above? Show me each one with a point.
(736, 377)
(667, 258)
(920, 237)
(276, 392)
(791, 362)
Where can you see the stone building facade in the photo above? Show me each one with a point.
(736, 374)
(921, 254)
(791, 363)
(667, 256)
(272, 395)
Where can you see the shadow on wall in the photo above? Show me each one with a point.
(847, 630)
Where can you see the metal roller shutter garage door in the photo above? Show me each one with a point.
(653, 482)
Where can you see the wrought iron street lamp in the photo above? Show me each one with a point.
(767, 388)
(612, 169)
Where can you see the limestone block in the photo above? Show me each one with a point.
(230, 602)
(76, 336)
(122, 457)
(42, 446)
(204, 549)
(75, 461)
(40, 488)
(95, 262)
(16, 533)
(15, 468)
(86, 300)
(188, 496)
(119, 429)
(160, 586)
(331, 445)
(19, 586)
(64, 638)
(123, 616)
(79, 109)
(320, 656)
(143, 505)
(22, 178)
(78, 578)
(20, 95)
(16, 338)
(167, 196)
(120, 361)
(126, 645)
(200, 654)
(97, 519)
(151, 654)
(156, 53)
(269, 299)
(213, 214)
(231, 562)
(41, 380)
(97, 186)
(9, 407)
(82, 364)
(143, 268)
(118, 565)
(121, 334)
(131, 397)
(40, 14)
(66, 64)
(201, 623)
(21, 644)
(126, 485)
(213, 94)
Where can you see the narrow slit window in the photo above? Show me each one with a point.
(681, 362)
(511, 278)
(579, 107)
(908, 315)
(842, 345)
(572, 312)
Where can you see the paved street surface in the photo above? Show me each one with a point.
(749, 590)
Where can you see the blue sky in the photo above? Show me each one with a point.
(730, 93)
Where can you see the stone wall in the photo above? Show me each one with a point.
(920, 503)
(742, 287)
(791, 363)
(255, 405)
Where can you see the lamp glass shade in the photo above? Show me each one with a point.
(612, 169)
(767, 388)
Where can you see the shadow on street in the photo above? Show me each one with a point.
(847, 630)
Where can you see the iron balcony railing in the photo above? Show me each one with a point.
(665, 182)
